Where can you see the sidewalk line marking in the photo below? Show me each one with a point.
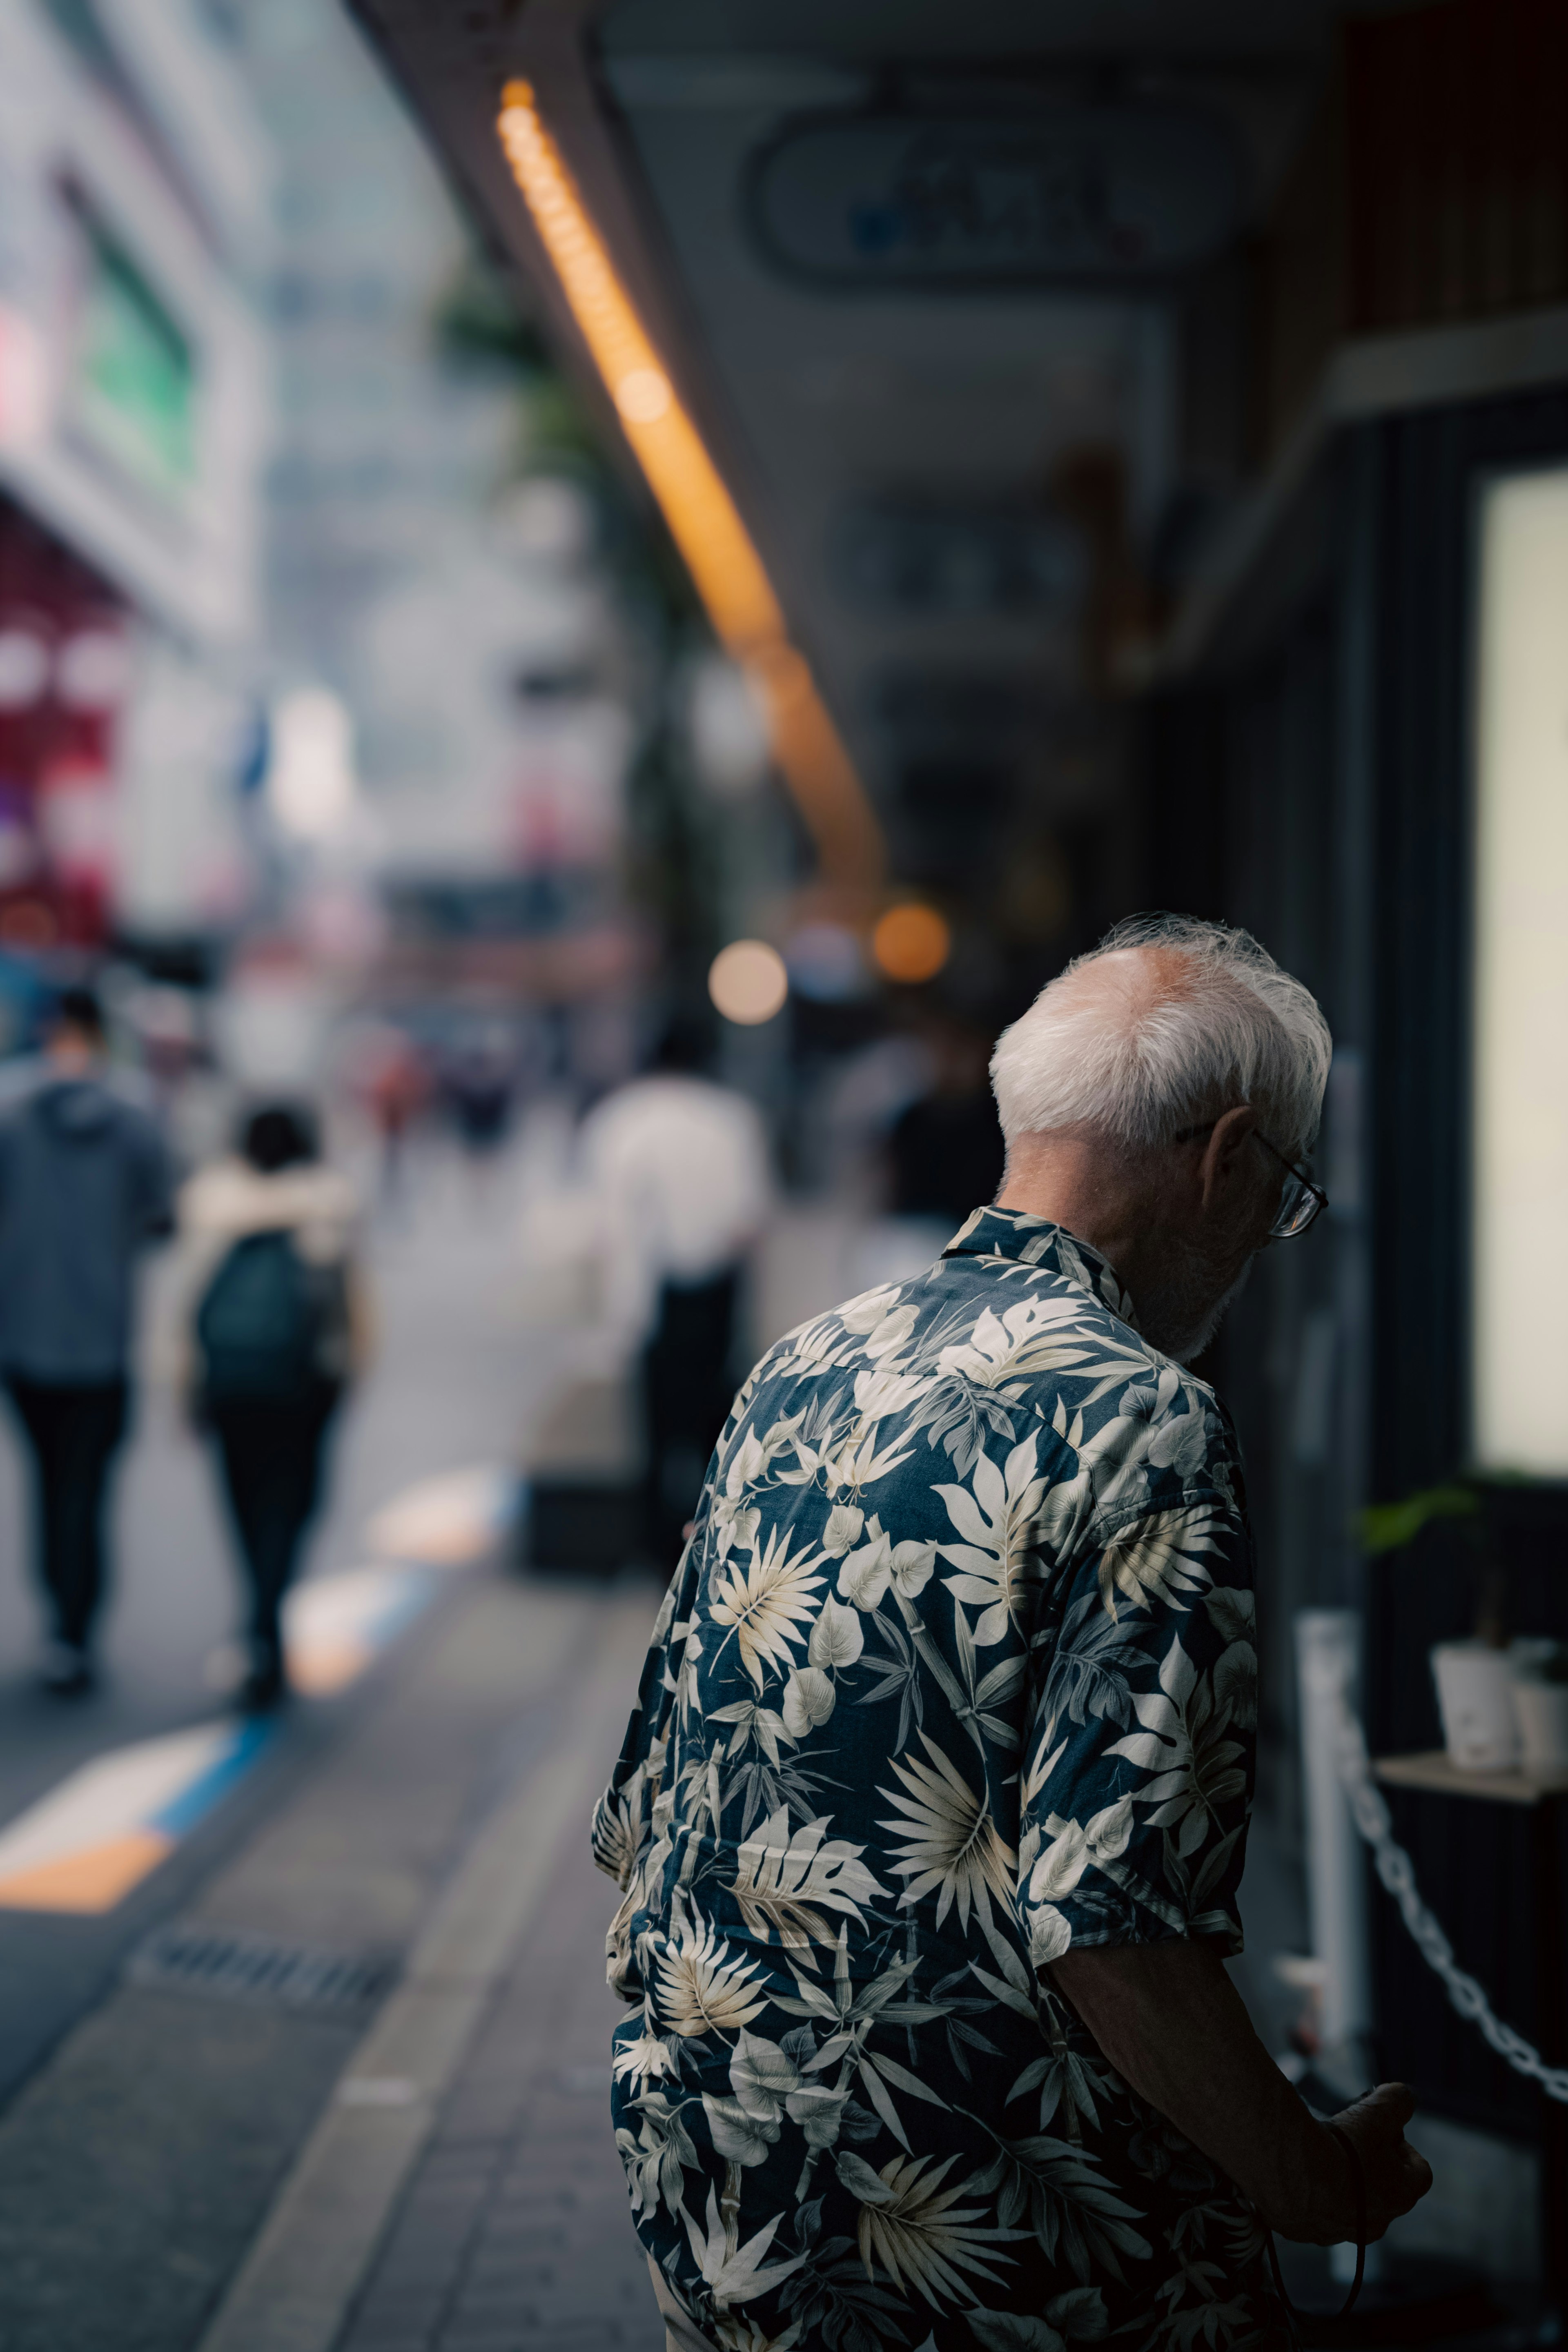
(293, 2292)
(111, 1821)
(449, 1520)
(334, 1626)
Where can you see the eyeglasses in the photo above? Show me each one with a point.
(1300, 1202)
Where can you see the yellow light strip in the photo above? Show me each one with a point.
(704, 523)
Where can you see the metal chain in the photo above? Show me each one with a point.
(1397, 1874)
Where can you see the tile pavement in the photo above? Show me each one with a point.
(513, 2234)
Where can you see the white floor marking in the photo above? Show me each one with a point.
(447, 1521)
(126, 1789)
(334, 1625)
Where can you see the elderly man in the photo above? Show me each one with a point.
(932, 1815)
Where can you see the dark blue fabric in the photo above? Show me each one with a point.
(85, 1183)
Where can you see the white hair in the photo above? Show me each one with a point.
(1181, 1020)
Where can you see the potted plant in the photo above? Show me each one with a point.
(1478, 1680)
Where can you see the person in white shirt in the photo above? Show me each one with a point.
(680, 1166)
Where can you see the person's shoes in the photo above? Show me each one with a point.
(264, 1689)
(66, 1672)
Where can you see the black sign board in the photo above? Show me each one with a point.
(1079, 196)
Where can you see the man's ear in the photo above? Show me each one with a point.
(1229, 1140)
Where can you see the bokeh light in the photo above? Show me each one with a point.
(748, 982)
(642, 395)
(911, 942)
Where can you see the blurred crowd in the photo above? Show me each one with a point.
(123, 1130)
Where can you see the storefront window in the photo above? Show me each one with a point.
(1520, 1068)
(135, 378)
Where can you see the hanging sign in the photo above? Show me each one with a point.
(1098, 196)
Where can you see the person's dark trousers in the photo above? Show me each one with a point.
(271, 1454)
(686, 1395)
(73, 1432)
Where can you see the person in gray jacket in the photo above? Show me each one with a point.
(85, 1184)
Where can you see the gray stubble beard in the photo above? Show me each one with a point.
(1181, 1315)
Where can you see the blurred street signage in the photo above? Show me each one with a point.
(928, 560)
(135, 374)
(1091, 195)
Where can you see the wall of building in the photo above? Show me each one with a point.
(134, 202)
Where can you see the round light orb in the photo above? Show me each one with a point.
(911, 942)
(748, 982)
(642, 395)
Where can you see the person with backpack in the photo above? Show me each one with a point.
(86, 1184)
(277, 1335)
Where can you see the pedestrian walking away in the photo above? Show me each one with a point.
(277, 1332)
(85, 1186)
(680, 1165)
(932, 1813)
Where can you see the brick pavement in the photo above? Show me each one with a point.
(513, 2234)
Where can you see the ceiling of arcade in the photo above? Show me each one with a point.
(960, 297)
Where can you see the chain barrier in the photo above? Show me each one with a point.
(1397, 1873)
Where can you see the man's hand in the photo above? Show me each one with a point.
(1173, 2024)
(1393, 2175)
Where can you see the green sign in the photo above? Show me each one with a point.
(135, 376)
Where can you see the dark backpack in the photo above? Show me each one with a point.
(270, 1326)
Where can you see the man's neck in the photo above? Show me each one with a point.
(1094, 1193)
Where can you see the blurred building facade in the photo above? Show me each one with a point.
(301, 650)
(134, 409)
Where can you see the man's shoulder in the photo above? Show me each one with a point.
(1147, 1431)
(24, 1081)
(1166, 1442)
(844, 1338)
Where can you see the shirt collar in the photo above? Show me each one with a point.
(1035, 1241)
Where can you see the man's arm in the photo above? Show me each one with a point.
(154, 1181)
(1169, 2021)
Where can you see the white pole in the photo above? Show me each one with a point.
(1328, 1664)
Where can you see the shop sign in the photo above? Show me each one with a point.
(1105, 195)
(915, 560)
(135, 376)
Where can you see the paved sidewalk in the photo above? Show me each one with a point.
(146, 2163)
(513, 2235)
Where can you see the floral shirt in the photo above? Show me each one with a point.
(957, 1671)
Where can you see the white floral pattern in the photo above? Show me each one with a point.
(956, 1672)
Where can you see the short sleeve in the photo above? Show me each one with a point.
(1138, 1767)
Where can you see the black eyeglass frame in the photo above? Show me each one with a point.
(1315, 1193)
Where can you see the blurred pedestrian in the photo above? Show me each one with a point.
(680, 1167)
(479, 1081)
(393, 1083)
(945, 1150)
(278, 1330)
(85, 1185)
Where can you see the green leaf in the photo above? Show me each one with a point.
(1389, 1527)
